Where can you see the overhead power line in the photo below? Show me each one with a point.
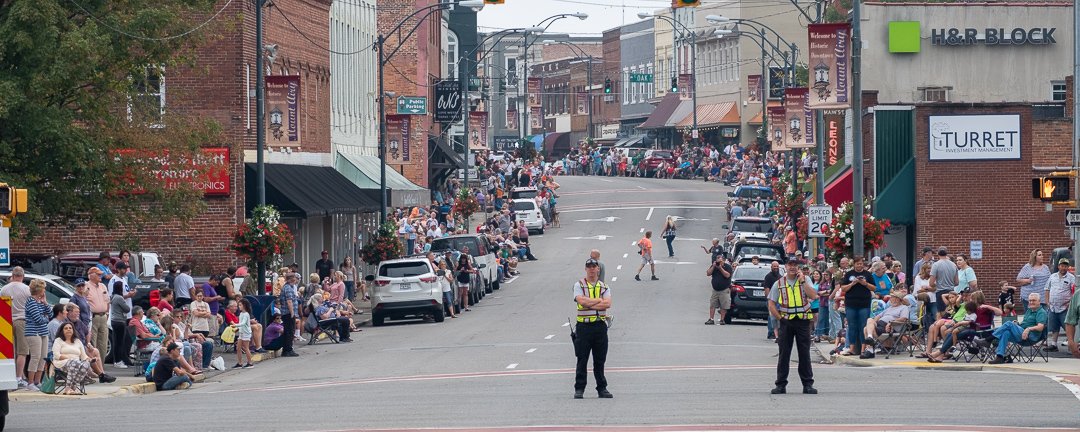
(146, 38)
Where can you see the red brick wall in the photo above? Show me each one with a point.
(957, 202)
(214, 88)
(411, 72)
(609, 112)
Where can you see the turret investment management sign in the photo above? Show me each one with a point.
(975, 137)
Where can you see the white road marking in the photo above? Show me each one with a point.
(642, 187)
(548, 337)
(689, 239)
(614, 278)
(606, 219)
(532, 350)
(609, 181)
(686, 207)
(565, 324)
(619, 267)
(1069, 385)
(633, 243)
(625, 255)
(677, 262)
(680, 218)
(595, 237)
(512, 366)
(649, 216)
(641, 230)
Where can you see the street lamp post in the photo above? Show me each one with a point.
(260, 126)
(384, 58)
(856, 131)
(545, 24)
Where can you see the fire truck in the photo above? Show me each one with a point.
(8, 381)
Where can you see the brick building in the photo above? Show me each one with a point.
(606, 106)
(220, 85)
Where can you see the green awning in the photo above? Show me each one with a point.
(364, 171)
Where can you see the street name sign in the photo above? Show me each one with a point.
(641, 78)
(412, 105)
(818, 217)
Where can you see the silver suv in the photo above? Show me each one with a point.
(405, 287)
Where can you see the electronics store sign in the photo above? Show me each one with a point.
(992, 36)
(975, 137)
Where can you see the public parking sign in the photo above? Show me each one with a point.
(818, 217)
(412, 105)
(5, 247)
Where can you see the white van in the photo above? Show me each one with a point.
(480, 248)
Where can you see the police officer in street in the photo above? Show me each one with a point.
(789, 304)
(593, 299)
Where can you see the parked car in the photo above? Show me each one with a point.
(73, 266)
(523, 193)
(653, 158)
(750, 192)
(527, 210)
(480, 248)
(744, 250)
(748, 299)
(750, 227)
(57, 290)
(405, 287)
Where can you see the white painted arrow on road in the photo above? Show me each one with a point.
(689, 239)
(680, 218)
(596, 237)
(677, 262)
(607, 219)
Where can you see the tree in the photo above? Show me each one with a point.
(79, 128)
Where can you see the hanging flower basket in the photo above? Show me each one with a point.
(789, 202)
(839, 235)
(465, 203)
(385, 245)
(263, 238)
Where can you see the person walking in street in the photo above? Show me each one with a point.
(593, 299)
(595, 254)
(720, 274)
(789, 304)
(1059, 289)
(645, 250)
(668, 234)
(1033, 276)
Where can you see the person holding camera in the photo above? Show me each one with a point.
(720, 272)
(789, 305)
(858, 288)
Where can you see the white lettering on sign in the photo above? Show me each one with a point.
(975, 137)
(818, 218)
(976, 249)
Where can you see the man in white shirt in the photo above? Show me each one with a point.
(1058, 294)
(183, 286)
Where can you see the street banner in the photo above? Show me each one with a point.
(533, 88)
(800, 119)
(834, 136)
(684, 87)
(830, 65)
(478, 130)
(777, 129)
(582, 103)
(535, 120)
(512, 119)
(283, 110)
(754, 90)
(397, 139)
(447, 101)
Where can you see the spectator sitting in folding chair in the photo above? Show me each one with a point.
(327, 311)
(1031, 329)
(882, 324)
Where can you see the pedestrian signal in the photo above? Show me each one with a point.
(1051, 189)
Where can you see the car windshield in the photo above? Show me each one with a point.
(755, 274)
(752, 227)
(662, 154)
(763, 250)
(459, 244)
(524, 206)
(754, 193)
(404, 269)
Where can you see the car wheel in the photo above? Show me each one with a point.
(541, 230)
(489, 288)
(377, 319)
(496, 285)
(439, 316)
(728, 317)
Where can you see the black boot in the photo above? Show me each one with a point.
(779, 390)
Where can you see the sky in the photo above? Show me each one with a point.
(603, 14)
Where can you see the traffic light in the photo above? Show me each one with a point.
(5, 199)
(494, 1)
(685, 3)
(1051, 189)
(607, 86)
(12, 200)
(674, 84)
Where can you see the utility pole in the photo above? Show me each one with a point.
(856, 130)
(260, 126)
(466, 113)
(1076, 118)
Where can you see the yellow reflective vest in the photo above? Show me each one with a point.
(591, 291)
(792, 302)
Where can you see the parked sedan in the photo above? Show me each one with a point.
(748, 300)
(57, 290)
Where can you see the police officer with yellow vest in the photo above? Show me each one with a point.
(789, 304)
(593, 299)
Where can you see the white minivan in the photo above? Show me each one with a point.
(527, 210)
(405, 287)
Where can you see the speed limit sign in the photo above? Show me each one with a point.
(818, 217)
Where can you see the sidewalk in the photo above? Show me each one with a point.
(1056, 365)
(126, 384)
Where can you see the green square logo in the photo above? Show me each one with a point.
(904, 37)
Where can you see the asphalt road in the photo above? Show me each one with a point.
(508, 363)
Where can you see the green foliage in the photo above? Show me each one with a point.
(385, 246)
(527, 150)
(65, 85)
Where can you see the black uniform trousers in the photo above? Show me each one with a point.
(797, 331)
(591, 338)
(288, 321)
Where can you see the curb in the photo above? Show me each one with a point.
(858, 362)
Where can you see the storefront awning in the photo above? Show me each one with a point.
(757, 118)
(683, 111)
(364, 171)
(631, 141)
(721, 114)
(556, 142)
(659, 117)
(305, 191)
